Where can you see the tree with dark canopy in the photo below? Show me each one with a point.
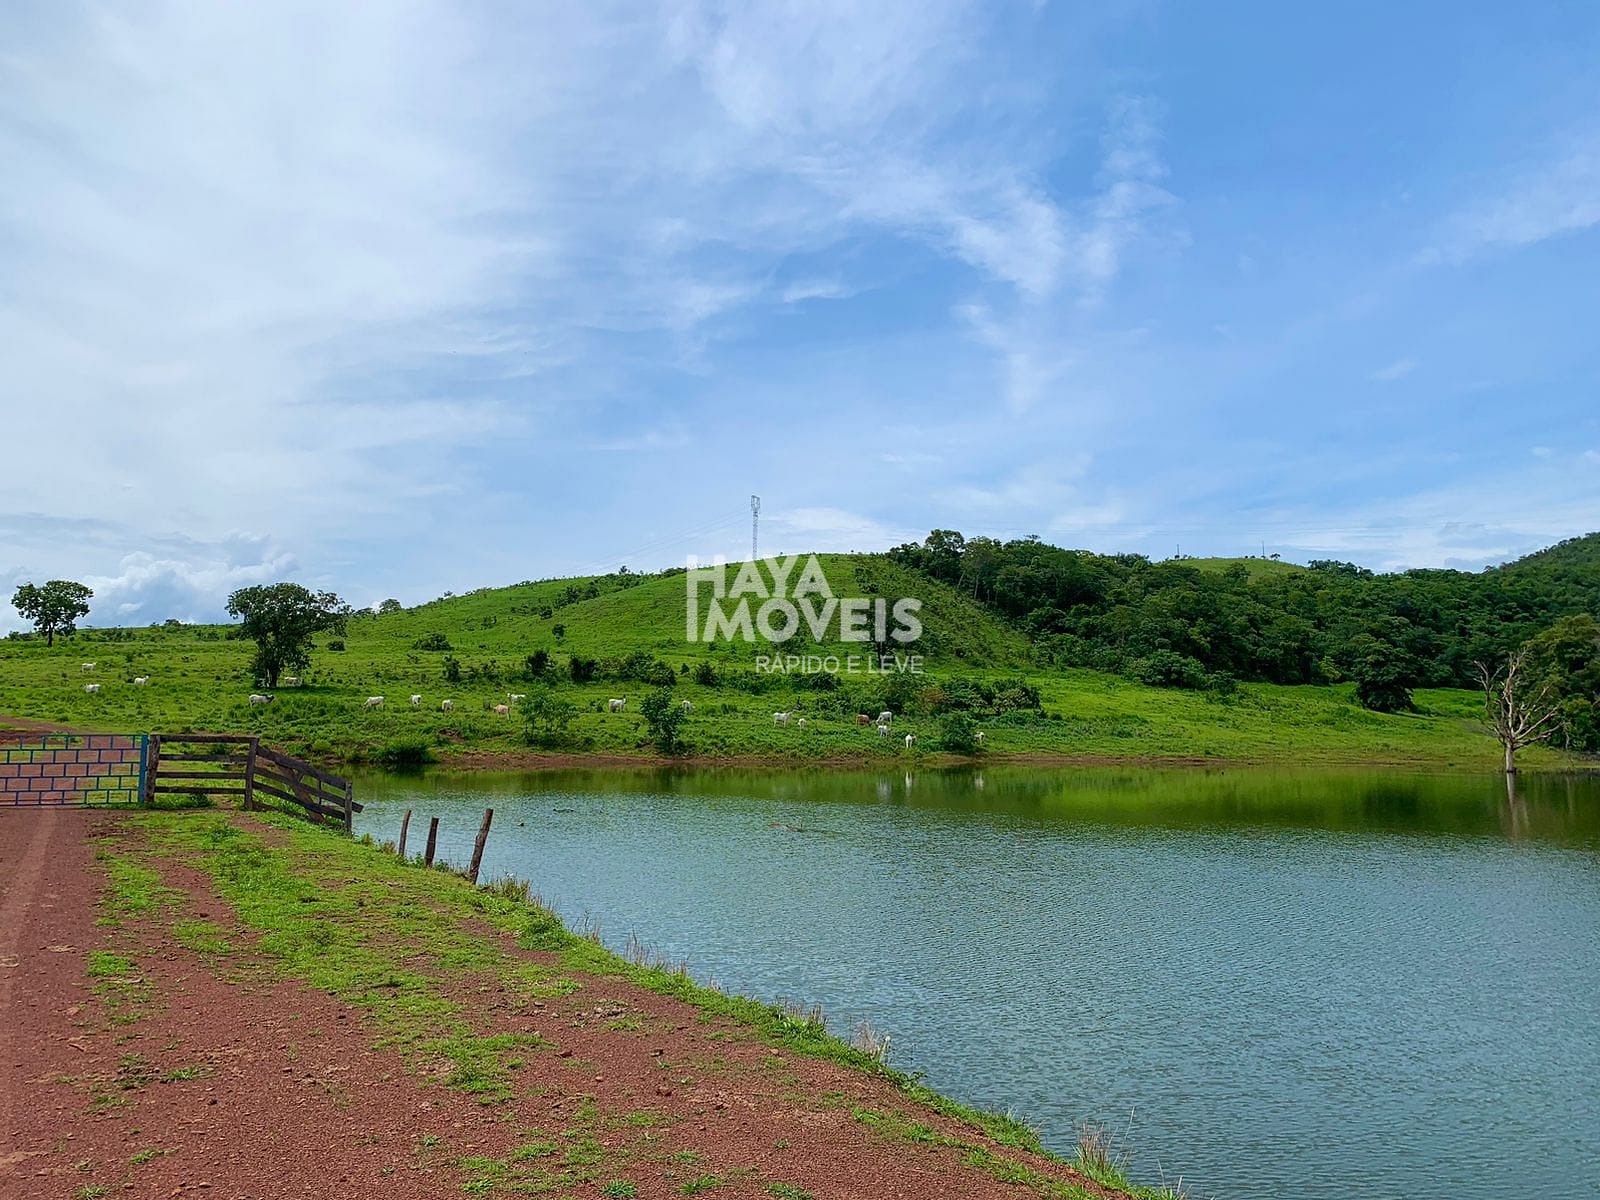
(53, 608)
(282, 619)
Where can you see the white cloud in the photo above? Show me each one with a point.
(1398, 369)
(1556, 198)
(803, 530)
(295, 267)
(814, 289)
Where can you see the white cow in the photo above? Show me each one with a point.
(515, 696)
(780, 718)
(87, 667)
(801, 722)
(502, 710)
(373, 702)
(979, 736)
(258, 698)
(886, 717)
(883, 731)
(911, 740)
(447, 706)
(91, 688)
(416, 700)
(141, 681)
(616, 705)
(688, 706)
(292, 681)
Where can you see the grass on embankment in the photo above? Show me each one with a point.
(387, 937)
(201, 680)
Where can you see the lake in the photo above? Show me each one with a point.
(1270, 983)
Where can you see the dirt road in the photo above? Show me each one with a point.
(142, 1057)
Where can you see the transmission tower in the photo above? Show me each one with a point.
(755, 527)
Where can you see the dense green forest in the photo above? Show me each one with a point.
(1206, 623)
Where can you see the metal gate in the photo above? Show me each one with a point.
(102, 769)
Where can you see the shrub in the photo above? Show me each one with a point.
(432, 641)
(549, 718)
(582, 670)
(452, 669)
(337, 645)
(958, 734)
(705, 674)
(665, 717)
(642, 668)
(538, 664)
(1168, 668)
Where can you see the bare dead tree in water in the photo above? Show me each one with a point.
(1521, 711)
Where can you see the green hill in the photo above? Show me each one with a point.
(1579, 554)
(616, 615)
(1012, 676)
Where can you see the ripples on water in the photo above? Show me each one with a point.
(1273, 984)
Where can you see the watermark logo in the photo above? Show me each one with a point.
(771, 601)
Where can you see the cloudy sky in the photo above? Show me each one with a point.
(406, 297)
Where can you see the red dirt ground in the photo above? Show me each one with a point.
(250, 1087)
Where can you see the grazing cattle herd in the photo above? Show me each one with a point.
(883, 722)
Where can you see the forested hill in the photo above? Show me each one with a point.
(1180, 621)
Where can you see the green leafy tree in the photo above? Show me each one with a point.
(1567, 657)
(1384, 677)
(282, 619)
(53, 608)
(538, 664)
(665, 717)
(549, 718)
(958, 734)
(452, 669)
(388, 606)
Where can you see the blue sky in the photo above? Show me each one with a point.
(400, 304)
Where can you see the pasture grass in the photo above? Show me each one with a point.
(201, 680)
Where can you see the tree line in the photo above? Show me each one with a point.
(1176, 624)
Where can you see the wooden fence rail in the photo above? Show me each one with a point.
(227, 764)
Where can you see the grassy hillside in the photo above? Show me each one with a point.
(201, 680)
(613, 615)
(1254, 568)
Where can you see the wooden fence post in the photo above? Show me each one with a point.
(349, 807)
(152, 768)
(477, 849)
(250, 774)
(154, 752)
(433, 842)
(405, 824)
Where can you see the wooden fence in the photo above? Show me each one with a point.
(237, 765)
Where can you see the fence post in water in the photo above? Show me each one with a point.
(250, 774)
(349, 807)
(405, 824)
(433, 841)
(477, 849)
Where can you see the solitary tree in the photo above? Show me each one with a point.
(53, 608)
(282, 618)
(1522, 710)
(388, 606)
